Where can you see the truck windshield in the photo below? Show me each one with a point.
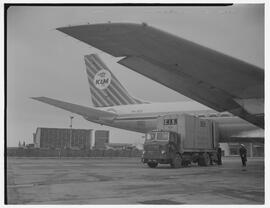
(150, 136)
(160, 136)
(163, 136)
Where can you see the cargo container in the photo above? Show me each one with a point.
(180, 140)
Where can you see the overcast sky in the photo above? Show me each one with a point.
(45, 62)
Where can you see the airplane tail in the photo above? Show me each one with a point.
(105, 88)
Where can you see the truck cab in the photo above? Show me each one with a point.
(161, 147)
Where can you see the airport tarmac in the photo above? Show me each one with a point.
(128, 181)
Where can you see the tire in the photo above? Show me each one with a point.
(176, 162)
(214, 157)
(152, 164)
(204, 159)
(185, 163)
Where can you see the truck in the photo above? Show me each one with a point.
(181, 139)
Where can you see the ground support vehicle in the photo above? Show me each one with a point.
(180, 140)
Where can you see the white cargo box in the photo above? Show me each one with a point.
(195, 133)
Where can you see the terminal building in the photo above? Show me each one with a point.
(101, 139)
(63, 138)
(120, 146)
(253, 149)
(83, 139)
(59, 138)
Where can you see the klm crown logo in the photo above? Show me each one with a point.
(102, 79)
(102, 74)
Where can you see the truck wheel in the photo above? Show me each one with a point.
(185, 163)
(214, 158)
(152, 164)
(204, 160)
(176, 162)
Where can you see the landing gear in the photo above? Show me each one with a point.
(152, 164)
(204, 159)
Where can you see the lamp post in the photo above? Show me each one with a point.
(71, 117)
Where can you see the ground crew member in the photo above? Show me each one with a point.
(211, 158)
(243, 154)
(219, 155)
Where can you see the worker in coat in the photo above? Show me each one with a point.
(243, 155)
(219, 155)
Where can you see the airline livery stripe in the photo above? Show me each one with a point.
(98, 63)
(139, 101)
(98, 98)
(112, 86)
(95, 102)
(90, 74)
(109, 96)
(115, 92)
(98, 95)
(97, 92)
(120, 85)
(93, 89)
(94, 99)
(122, 92)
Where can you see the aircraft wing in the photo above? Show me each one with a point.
(216, 80)
(87, 112)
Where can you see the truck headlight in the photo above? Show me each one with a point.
(163, 152)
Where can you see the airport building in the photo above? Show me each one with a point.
(101, 139)
(58, 138)
(120, 146)
(62, 138)
(253, 149)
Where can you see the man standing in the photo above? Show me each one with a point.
(219, 151)
(243, 154)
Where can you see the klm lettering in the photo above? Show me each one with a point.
(102, 81)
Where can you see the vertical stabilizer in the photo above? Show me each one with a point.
(105, 88)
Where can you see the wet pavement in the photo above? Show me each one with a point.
(128, 181)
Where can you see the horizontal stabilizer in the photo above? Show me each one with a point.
(78, 109)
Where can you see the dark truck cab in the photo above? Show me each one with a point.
(162, 147)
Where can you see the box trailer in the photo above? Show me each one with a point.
(181, 139)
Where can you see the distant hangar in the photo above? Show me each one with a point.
(63, 138)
